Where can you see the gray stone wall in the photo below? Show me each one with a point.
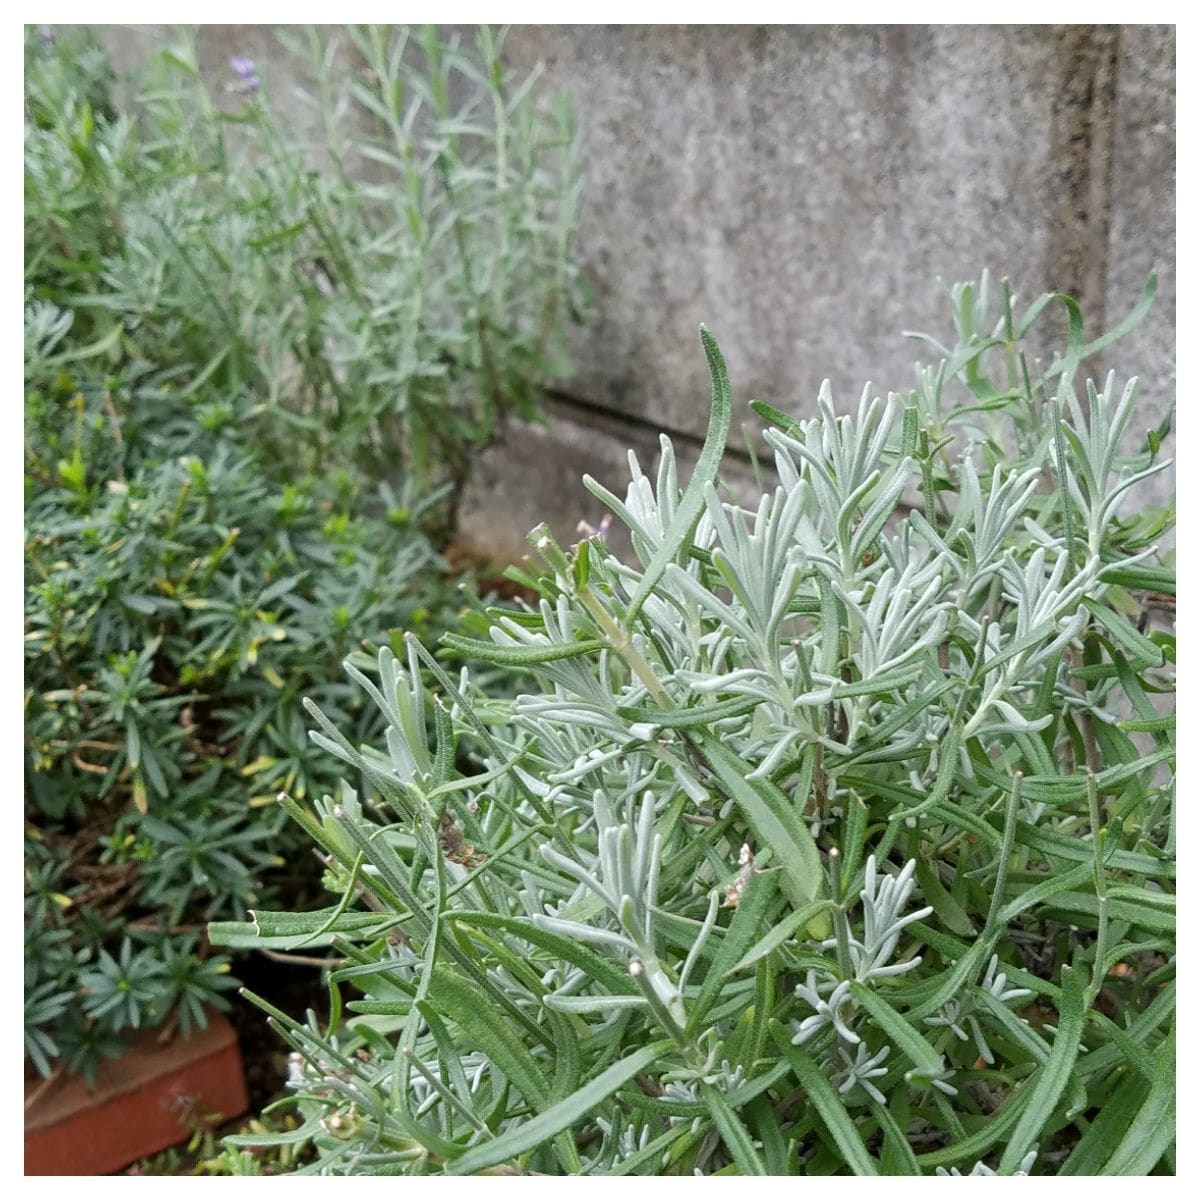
(801, 190)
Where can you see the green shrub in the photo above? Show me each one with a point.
(834, 836)
(236, 454)
(178, 604)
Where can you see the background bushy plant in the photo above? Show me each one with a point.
(373, 279)
(240, 439)
(835, 835)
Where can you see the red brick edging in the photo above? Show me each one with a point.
(149, 1099)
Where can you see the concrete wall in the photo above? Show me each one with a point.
(801, 189)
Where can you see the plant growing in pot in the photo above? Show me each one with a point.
(834, 834)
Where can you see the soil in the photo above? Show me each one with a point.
(293, 989)
(487, 575)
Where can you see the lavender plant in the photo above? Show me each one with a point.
(835, 834)
(374, 259)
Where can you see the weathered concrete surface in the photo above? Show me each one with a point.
(1142, 220)
(801, 189)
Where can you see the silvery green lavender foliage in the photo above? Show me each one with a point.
(835, 834)
(371, 252)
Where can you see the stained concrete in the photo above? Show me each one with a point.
(802, 190)
(1142, 220)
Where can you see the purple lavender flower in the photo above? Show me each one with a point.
(244, 68)
(46, 35)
